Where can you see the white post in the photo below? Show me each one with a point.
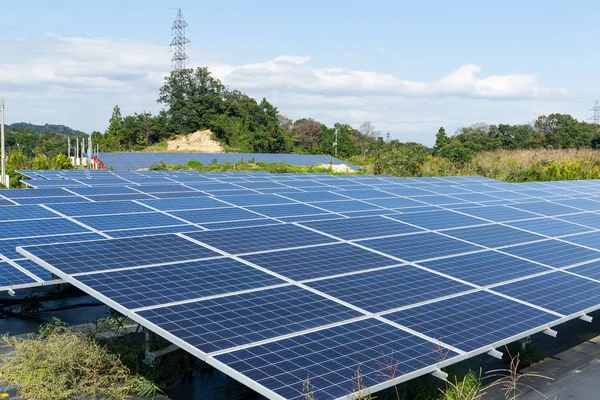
(2, 139)
(76, 155)
(69, 146)
(335, 143)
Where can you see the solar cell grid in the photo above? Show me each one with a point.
(558, 291)
(331, 357)
(472, 321)
(73, 258)
(553, 253)
(420, 246)
(143, 287)
(320, 261)
(15, 213)
(383, 290)
(485, 268)
(361, 227)
(254, 239)
(493, 235)
(442, 219)
(225, 322)
(11, 276)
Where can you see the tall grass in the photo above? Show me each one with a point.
(521, 165)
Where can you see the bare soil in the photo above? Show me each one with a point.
(197, 142)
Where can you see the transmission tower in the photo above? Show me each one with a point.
(595, 118)
(179, 42)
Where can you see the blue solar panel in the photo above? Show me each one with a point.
(588, 219)
(438, 220)
(558, 291)
(100, 255)
(382, 290)
(439, 200)
(493, 235)
(306, 218)
(546, 208)
(331, 357)
(309, 197)
(254, 239)
(36, 269)
(20, 193)
(365, 194)
(103, 190)
(10, 276)
(589, 270)
(476, 197)
(484, 268)
(52, 200)
(41, 227)
(255, 200)
(583, 204)
(419, 246)
(499, 213)
(7, 247)
(553, 253)
(408, 191)
(395, 202)
(184, 203)
(362, 227)
(472, 321)
(15, 213)
(176, 195)
(587, 239)
(288, 210)
(99, 208)
(143, 287)
(119, 197)
(230, 321)
(346, 206)
(549, 227)
(130, 221)
(175, 187)
(319, 261)
(216, 215)
(153, 231)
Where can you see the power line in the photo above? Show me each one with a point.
(179, 42)
(595, 118)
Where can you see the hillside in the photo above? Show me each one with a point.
(47, 128)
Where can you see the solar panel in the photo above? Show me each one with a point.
(320, 261)
(553, 253)
(39, 227)
(170, 283)
(254, 239)
(421, 246)
(315, 306)
(473, 320)
(16, 213)
(330, 358)
(484, 268)
(558, 291)
(73, 258)
(362, 227)
(377, 291)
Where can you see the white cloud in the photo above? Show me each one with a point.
(352, 56)
(52, 77)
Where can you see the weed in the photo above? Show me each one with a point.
(62, 364)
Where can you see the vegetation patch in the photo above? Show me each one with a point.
(63, 364)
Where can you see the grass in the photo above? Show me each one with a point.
(243, 166)
(521, 165)
(62, 364)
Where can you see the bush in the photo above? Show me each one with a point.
(457, 153)
(403, 159)
(63, 364)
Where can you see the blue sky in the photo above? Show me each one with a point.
(408, 67)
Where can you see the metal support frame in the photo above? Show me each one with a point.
(496, 354)
(3, 179)
(151, 356)
(438, 373)
(550, 332)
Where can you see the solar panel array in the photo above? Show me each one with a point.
(274, 279)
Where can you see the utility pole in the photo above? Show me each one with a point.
(179, 42)
(3, 177)
(335, 143)
(595, 118)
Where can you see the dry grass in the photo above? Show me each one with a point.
(522, 165)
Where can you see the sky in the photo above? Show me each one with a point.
(407, 67)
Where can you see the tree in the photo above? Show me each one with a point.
(114, 132)
(193, 98)
(441, 139)
(307, 133)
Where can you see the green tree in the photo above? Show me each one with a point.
(441, 139)
(193, 98)
(114, 132)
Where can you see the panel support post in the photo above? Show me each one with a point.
(496, 354)
(550, 332)
(438, 373)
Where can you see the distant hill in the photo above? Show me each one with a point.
(48, 128)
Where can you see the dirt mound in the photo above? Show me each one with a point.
(341, 168)
(197, 142)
